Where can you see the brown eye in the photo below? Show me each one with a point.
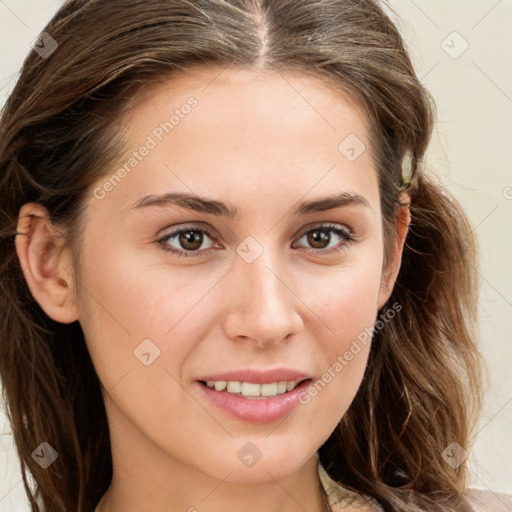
(191, 240)
(186, 240)
(320, 237)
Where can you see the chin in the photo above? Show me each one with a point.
(262, 460)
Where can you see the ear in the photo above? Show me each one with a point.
(46, 264)
(390, 273)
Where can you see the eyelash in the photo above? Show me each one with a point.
(345, 234)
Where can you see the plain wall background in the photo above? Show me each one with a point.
(469, 151)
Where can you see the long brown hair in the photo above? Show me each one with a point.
(421, 390)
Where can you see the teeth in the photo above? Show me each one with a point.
(234, 387)
(250, 389)
(281, 386)
(290, 385)
(269, 389)
(220, 385)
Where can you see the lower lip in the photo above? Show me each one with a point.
(263, 410)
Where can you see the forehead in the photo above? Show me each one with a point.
(258, 97)
(238, 127)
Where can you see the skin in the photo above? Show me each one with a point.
(260, 142)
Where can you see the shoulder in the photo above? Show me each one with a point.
(489, 501)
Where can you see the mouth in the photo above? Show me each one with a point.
(253, 402)
(253, 390)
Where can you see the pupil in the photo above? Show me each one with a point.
(193, 238)
(318, 238)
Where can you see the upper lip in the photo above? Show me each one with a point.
(257, 376)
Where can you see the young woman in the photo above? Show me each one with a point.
(227, 280)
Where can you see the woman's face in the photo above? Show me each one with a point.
(275, 279)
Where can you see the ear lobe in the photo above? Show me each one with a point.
(46, 264)
(390, 274)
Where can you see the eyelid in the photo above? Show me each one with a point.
(186, 227)
(326, 225)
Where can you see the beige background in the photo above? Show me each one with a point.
(470, 151)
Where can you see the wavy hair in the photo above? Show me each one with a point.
(421, 390)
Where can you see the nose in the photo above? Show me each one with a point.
(261, 305)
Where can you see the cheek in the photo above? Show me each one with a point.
(346, 299)
(345, 343)
(128, 301)
(346, 306)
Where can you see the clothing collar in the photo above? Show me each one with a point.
(340, 498)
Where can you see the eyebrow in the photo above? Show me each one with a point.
(205, 205)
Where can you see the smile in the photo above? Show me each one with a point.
(252, 389)
(254, 402)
